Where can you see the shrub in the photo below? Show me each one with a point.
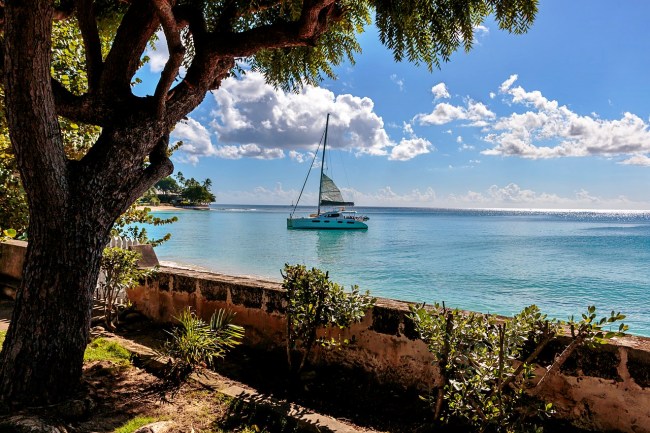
(121, 272)
(315, 302)
(486, 365)
(195, 344)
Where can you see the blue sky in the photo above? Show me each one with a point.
(556, 118)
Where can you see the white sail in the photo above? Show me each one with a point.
(330, 194)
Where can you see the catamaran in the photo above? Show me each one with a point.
(338, 218)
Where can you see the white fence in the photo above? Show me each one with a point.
(123, 243)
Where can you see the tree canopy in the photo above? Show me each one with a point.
(87, 147)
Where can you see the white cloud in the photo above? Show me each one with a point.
(250, 150)
(159, 55)
(400, 82)
(387, 197)
(263, 195)
(513, 196)
(642, 160)
(300, 157)
(539, 127)
(481, 30)
(508, 83)
(409, 148)
(443, 113)
(253, 112)
(549, 130)
(196, 140)
(440, 91)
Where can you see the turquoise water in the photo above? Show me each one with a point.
(489, 261)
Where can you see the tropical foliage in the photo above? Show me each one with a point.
(194, 344)
(487, 364)
(185, 191)
(316, 303)
(120, 272)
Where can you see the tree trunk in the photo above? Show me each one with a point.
(51, 319)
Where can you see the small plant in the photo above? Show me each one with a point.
(486, 365)
(315, 302)
(195, 344)
(127, 226)
(121, 272)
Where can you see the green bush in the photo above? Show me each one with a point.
(314, 302)
(486, 364)
(121, 272)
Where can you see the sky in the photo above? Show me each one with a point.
(557, 118)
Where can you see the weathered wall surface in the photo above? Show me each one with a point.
(606, 389)
(12, 259)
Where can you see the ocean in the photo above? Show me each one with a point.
(495, 261)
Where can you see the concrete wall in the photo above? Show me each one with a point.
(607, 389)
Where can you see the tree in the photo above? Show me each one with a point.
(73, 200)
(198, 194)
(168, 186)
(195, 192)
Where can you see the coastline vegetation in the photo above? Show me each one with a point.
(182, 191)
(316, 303)
(487, 364)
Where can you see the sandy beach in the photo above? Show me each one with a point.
(164, 208)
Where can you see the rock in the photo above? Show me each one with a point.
(28, 424)
(156, 427)
(75, 409)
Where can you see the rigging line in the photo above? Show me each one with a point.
(308, 172)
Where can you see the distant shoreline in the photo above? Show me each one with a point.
(162, 208)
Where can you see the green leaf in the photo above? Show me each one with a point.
(10, 233)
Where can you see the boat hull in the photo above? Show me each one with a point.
(320, 223)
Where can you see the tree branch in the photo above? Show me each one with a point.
(176, 54)
(64, 10)
(85, 108)
(159, 167)
(33, 124)
(137, 27)
(315, 19)
(559, 361)
(92, 44)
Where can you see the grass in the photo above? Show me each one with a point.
(133, 424)
(101, 349)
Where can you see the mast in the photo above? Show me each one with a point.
(322, 163)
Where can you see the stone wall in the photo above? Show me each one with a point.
(607, 389)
